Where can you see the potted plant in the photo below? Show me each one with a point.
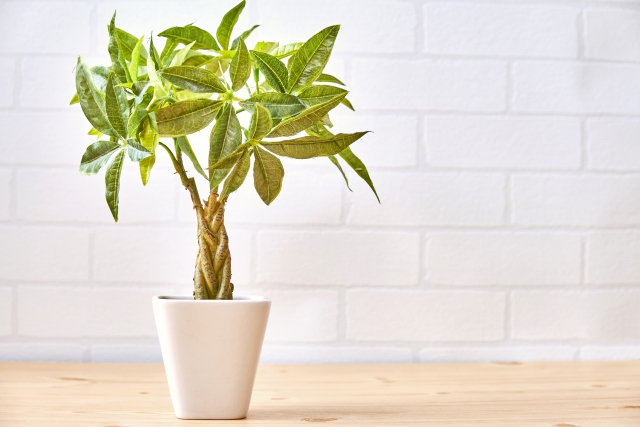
(211, 342)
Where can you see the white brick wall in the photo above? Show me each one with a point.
(505, 149)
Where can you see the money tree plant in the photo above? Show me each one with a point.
(258, 100)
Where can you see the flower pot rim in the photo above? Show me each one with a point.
(237, 299)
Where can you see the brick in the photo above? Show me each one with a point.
(45, 27)
(7, 77)
(425, 316)
(595, 316)
(6, 302)
(315, 354)
(67, 195)
(612, 34)
(612, 144)
(302, 316)
(5, 194)
(359, 32)
(337, 258)
(582, 88)
(501, 30)
(43, 253)
(42, 352)
(127, 353)
(48, 311)
(503, 142)
(431, 200)
(503, 259)
(497, 354)
(612, 257)
(429, 84)
(392, 143)
(37, 75)
(607, 353)
(578, 200)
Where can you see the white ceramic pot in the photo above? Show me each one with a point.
(211, 350)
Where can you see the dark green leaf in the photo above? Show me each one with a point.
(314, 95)
(136, 151)
(286, 50)
(306, 118)
(116, 106)
(127, 43)
(118, 62)
(184, 145)
(226, 136)
(268, 174)
(91, 100)
(191, 33)
(307, 63)
(96, 156)
(279, 104)
(335, 161)
(112, 182)
(237, 175)
(359, 167)
(274, 71)
(243, 36)
(313, 146)
(240, 68)
(186, 117)
(154, 54)
(193, 79)
(260, 123)
(229, 20)
(328, 78)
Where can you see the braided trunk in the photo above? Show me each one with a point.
(212, 277)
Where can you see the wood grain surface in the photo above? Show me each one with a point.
(557, 394)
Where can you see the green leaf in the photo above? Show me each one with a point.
(266, 47)
(181, 55)
(307, 63)
(97, 155)
(306, 118)
(218, 65)
(314, 95)
(313, 146)
(242, 37)
(237, 175)
(226, 136)
(186, 117)
(359, 167)
(193, 79)
(138, 114)
(186, 35)
(279, 104)
(118, 62)
(185, 146)
(227, 162)
(91, 100)
(260, 123)
(137, 152)
(135, 60)
(240, 68)
(112, 183)
(268, 174)
(74, 99)
(149, 139)
(223, 33)
(168, 52)
(153, 55)
(335, 161)
(274, 71)
(127, 43)
(328, 78)
(346, 102)
(286, 50)
(197, 59)
(116, 106)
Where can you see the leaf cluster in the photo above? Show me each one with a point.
(259, 101)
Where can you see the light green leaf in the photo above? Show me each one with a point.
(91, 100)
(260, 124)
(193, 79)
(268, 174)
(116, 106)
(118, 62)
(112, 183)
(181, 55)
(186, 35)
(237, 175)
(185, 146)
(243, 36)
(223, 33)
(279, 104)
(227, 162)
(328, 78)
(136, 151)
(135, 60)
(97, 155)
(273, 70)
(185, 95)
(197, 60)
(218, 65)
(306, 118)
(226, 136)
(314, 95)
(346, 102)
(74, 99)
(312, 146)
(168, 52)
(307, 63)
(138, 114)
(127, 43)
(286, 50)
(153, 56)
(335, 161)
(240, 68)
(149, 139)
(359, 167)
(266, 47)
(186, 117)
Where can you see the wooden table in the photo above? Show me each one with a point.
(565, 394)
